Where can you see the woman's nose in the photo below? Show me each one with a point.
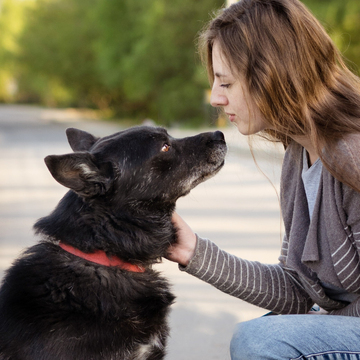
(217, 99)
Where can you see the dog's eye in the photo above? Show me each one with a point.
(165, 148)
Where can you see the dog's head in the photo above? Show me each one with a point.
(139, 166)
(124, 188)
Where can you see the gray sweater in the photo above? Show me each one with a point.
(325, 250)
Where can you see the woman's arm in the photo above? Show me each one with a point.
(349, 204)
(268, 286)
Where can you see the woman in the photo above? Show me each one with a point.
(275, 71)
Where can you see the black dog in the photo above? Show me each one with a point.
(87, 290)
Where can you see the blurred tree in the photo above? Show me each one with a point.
(136, 57)
(341, 20)
(11, 23)
(146, 53)
(58, 64)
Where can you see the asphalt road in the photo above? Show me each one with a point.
(238, 209)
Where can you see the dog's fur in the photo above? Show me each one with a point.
(123, 189)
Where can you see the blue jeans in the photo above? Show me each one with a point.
(295, 337)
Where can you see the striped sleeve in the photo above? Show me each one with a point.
(352, 309)
(346, 257)
(268, 286)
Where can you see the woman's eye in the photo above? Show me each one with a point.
(225, 85)
(165, 148)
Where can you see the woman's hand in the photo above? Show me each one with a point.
(184, 249)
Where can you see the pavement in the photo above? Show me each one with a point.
(238, 209)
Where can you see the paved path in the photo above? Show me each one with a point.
(238, 209)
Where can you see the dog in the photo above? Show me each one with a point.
(87, 290)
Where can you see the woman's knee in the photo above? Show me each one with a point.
(245, 341)
(290, 336)
(262, 338)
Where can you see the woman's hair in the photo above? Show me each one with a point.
(293, 71)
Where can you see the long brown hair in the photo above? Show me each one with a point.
(293, 71)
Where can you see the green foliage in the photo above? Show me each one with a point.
(341, 20)
(147, 53)
(11, 22)
(135, 57)
(58, 64)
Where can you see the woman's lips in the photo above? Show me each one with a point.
(231, 117)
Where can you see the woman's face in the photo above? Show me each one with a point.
(231, 93)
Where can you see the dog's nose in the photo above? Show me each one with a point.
(218, 136)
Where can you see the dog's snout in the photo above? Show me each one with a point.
(218, 136)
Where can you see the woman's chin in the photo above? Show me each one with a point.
(243, 129)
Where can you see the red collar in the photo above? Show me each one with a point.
(100, 257)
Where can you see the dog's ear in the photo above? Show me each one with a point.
(80, 173)
(80, 140)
